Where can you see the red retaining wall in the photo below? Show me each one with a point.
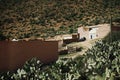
(115, 28)
(13, 55)
(67, 41)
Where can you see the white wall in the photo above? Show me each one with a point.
(83, 33)
(99, 31)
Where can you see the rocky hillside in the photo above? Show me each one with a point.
(43, 18)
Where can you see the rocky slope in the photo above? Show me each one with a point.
(43, 18)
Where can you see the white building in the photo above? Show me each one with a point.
(93, 32)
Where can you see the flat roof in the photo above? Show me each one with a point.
(95, 26)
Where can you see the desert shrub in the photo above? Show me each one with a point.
(2, 37)
(116, 19)
(96, 22)
(79, 49)
(71, 30)
(27, 35)
(62, 27)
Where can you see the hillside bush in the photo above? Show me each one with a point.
(54, 14)
(2, 37)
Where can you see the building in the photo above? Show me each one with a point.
(93, 32)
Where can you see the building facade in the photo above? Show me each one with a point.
(94, 32)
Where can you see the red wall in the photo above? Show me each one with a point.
(67, 41)
(115, 28)
(14, 54)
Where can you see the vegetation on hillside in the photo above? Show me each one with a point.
(43, 18)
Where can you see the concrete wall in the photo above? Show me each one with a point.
(13, 55)
(103, 30)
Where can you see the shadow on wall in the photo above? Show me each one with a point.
(13, 55)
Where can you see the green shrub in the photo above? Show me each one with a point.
(71, 30)
(2, 37)
(103, 59)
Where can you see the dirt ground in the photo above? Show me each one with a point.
(85, 44)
